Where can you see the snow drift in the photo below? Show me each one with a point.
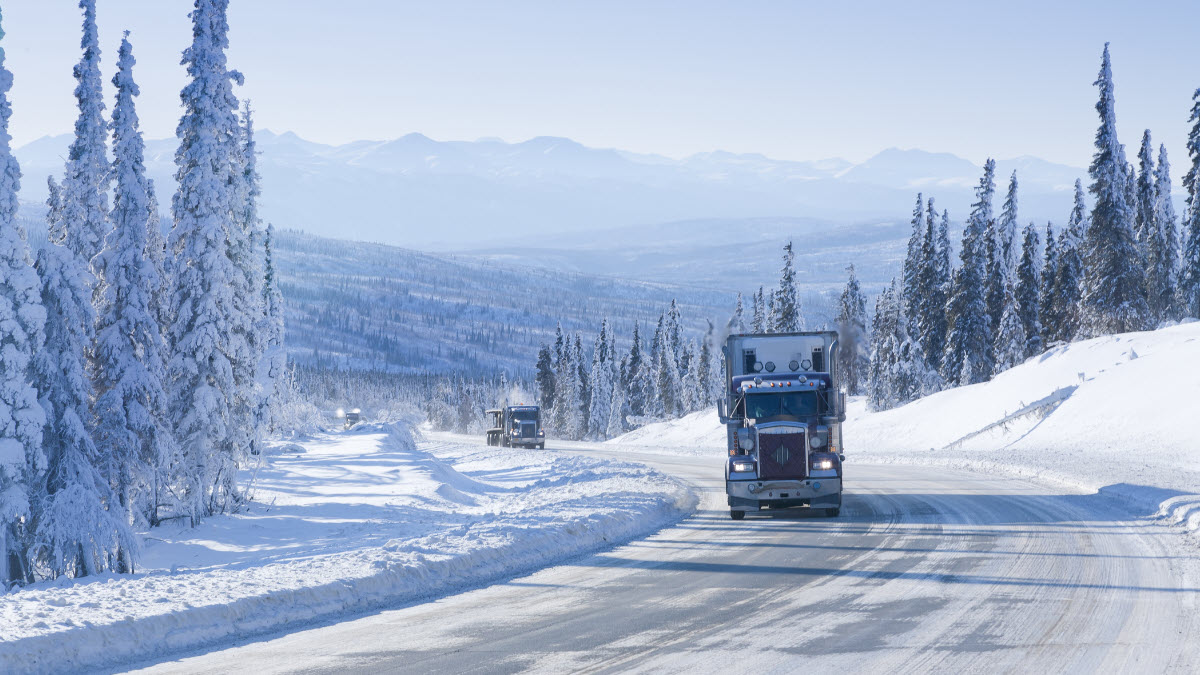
(348, 523)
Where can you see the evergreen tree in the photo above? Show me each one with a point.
(710, 375)
(898, 373)
(968, 341)
(737, 322)
(912, 260)
(788, 318)
(1114, 290)
(250, 370)
(600, 399)
(585, 387)
(80, 529)
(1046, 304)
(274, 358)
(1143, 224)
(1011, 340)
(156, 252)
(1068, 284)
(999, 256)
(930, 297)
(84, 216)
(130, 357)
(1162, 253)
(1189, 271)
(759, 323)
(545, 378)
(207, 337)
(853, 348)
(635, 376)
(883, 356)
(22, 462)
(1026, 293)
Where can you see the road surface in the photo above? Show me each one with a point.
(949, 572)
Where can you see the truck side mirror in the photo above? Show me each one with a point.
(721, 411)
(841, 406)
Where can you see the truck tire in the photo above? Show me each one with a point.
(541, 446)
(737, 515)
(833, 513)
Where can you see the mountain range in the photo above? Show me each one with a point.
(489, 194)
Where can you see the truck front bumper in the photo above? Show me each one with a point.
(756, 494)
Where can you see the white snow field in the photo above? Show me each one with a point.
(1117, 414)
(346, 523)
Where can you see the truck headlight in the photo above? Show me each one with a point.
(541, 433)
(743, 467)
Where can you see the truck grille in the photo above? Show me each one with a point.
(782, 455)
(528, 430)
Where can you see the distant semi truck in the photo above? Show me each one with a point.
(517, 426)
(783, 411)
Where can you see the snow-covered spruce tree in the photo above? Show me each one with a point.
(585, 385)
(1026, 292)
(1000, 264)
(1189, 270)
(600, 400)
(674, 335)
(668, 379)
(1047, 313)
(84, 216)
(1010, 335)
(22, 462)
(130, 358)
(252, 372)
(929, 327)
(653, 408)
(853, 348)
(912, 260)
(1114, 289)
(788, 318)
(271, 336)
(80, 529)
(1143, 223)
(1162, 251)
(544, 378)
(968, 342)
(156, 252)
(566, 391)
(207, 338)
(618, 411)
(635, 376)
(883, 356)
(758, 324)
(737, 322)
(709, 370)
(1068, 278)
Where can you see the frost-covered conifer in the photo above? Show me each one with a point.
(271, 336)
(1068, 281)
(912, 260)
(545, 379)
(737, 322)
(1114, 289)
(898, 372)
(787, 316)
(618, 412)
(84, 216)
(1010, 335)
(968, 342)
(80, 529)
(1046, 305)
(999, 255)
(585, 386)
(22, 462)
(252, 373)
(1189, 270)
(1143, 223)
(1026, 292)
(853, 348)
(600, 400)
(635, 376)
(1162, 251)
(130, 358)
(207, 336)
(758, 323)
(929, 327)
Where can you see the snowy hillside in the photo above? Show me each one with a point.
(345, 523)
(390, 308)
(416, 191)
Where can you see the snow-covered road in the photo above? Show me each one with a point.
(925, 570)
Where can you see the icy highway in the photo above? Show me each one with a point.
(944, 571)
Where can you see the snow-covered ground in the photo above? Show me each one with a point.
(1118, 414)
(343, 523)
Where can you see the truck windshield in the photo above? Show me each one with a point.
(792, 404)
(525, 415)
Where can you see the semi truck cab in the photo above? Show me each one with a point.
(517, 426)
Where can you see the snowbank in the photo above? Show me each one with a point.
(700, 433)
(1118, 414)
(347, 523)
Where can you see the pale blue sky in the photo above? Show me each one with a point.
(793, 80)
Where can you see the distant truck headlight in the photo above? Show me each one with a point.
(541, 433)
(743, 467)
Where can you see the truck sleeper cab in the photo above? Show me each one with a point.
(783, 423)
